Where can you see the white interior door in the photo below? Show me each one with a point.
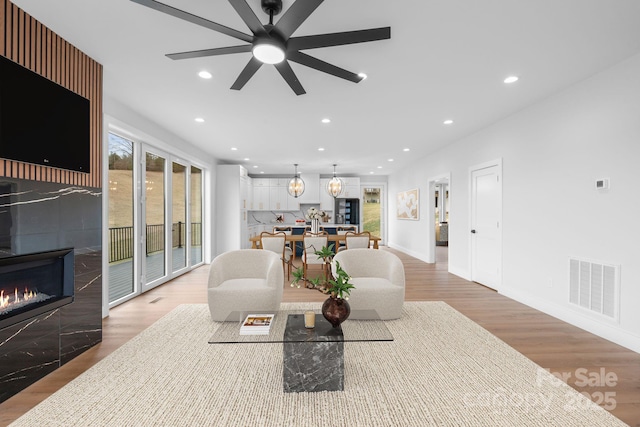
(486, 223)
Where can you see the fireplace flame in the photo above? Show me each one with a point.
(6, 300)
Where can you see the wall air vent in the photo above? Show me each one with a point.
(595, 287)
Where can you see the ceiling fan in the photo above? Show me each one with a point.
(272, 43)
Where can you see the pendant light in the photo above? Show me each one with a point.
(296, 184)
(335, 186)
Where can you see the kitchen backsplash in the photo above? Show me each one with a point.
(270, 217)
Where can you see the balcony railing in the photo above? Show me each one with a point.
(121, 239)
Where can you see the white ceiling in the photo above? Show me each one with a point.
(445, 60)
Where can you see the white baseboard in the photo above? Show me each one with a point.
(409, 252)
(609, 332)
(460, 273)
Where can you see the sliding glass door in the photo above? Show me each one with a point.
(195, 207)
(121, 241)
(179, 217)
(154, 259)
(155, 217)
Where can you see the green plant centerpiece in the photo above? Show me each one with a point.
(335, 283)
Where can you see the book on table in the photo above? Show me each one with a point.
(256, 324)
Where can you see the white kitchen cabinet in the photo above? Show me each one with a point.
(244, 232)
(249, 184)
(293, 203)
(352, 188)
(326, 200)
(278, 198)
(351, 192)
(311, 186)
(260, 198)
(245, 182)
(278, 182)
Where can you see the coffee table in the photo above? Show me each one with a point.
(313, 359)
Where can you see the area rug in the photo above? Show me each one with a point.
(442, 369)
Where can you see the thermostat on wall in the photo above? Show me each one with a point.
(602, 184)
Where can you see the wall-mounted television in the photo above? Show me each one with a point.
(42, 122)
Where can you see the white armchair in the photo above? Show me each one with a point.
(244, 280)
(378, 277)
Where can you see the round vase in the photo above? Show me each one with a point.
(315, 226)
(336, 310)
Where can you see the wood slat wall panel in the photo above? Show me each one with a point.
(26, 41)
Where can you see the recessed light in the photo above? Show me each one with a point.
(448, 122)
(511, 79)
(255, 166)
(246, 159)
(363, 75)
(261, 171)
(406, 149)
(390, 160)
(205, 74)
(234, 149)
(199, 120)
(320, 149)
(326, 120)
(371, 172)
(379, 167)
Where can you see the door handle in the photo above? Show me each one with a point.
(473, 231)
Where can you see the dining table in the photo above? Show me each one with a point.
(331, 238)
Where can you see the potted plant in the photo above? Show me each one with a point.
(336, 284)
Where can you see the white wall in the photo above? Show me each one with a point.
(552, 153)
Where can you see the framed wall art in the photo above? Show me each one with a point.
(407, 205)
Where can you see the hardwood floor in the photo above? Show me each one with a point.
(549, 342)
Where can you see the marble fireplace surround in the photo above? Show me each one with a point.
(36, 217)
(34, 284)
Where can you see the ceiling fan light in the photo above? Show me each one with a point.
(268, 53)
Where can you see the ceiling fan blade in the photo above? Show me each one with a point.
(338, 39)
(325, 67)
(247, 15)
(210, 52)
(177, 13)
(290, 77)
(295, 16)
(246, 74)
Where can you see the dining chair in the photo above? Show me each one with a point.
(312, 243)
(286, 230)
(357, 240)
(342, 230)
(276, 242)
